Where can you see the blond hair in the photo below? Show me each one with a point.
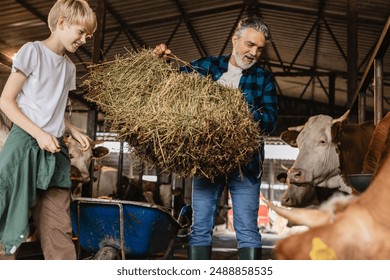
(74, 12)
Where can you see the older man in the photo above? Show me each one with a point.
(238, 70)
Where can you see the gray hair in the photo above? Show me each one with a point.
(255, 23)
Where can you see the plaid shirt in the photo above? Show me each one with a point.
(256, 84)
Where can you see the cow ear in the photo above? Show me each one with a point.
(337, 125)
(66, 139)
(75, 173)
(290, 137)
(336, 131)
(100, 151)
(282, 177)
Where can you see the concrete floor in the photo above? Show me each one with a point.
(225, 246)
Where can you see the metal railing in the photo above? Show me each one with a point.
(373, 72)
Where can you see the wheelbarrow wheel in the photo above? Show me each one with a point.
(107, 253)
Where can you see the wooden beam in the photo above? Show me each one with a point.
(98, 36)
(6, 60)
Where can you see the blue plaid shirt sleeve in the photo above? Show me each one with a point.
(260, 93)
(256, 84)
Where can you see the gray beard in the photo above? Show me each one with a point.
(241, 63)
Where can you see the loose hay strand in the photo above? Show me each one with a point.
(180, 123)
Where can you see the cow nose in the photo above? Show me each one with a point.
(86, 178)
(285, 201)
(295, 175)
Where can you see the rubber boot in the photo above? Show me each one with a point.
(249, 253)
(199, 252)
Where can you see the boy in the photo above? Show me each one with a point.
(34, 162)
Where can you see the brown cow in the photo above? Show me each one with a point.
(355, 229)
(329, 151)
(374, 156)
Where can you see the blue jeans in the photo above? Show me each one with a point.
(245, 201)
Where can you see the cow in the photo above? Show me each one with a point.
(105, 184)
(131, 189)
(352, 227)
(304, 195)
(3, 137)
(82, 159)
(374, 156)
(329, 151)
(5, 127)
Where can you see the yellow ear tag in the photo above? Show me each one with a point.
(320, 251)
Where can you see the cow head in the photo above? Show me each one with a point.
(356, 229)
(82, 159)
(296, 196)
(350, 227)
(304, 195)
(317, 163)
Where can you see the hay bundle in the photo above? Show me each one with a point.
(180, 123)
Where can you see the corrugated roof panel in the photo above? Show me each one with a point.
(142, 23)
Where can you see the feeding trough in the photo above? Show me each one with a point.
(360, 182)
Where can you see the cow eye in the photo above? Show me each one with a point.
(322, 142)
(71, 156)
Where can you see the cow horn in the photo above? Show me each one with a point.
(301, 216)
(342, 118)
(296, 128)
(285, 168)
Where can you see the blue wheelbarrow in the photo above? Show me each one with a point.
(117, 229)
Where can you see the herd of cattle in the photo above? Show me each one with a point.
(329, 151)
(344, 223)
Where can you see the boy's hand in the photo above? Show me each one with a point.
(48, 142)
(83, 139)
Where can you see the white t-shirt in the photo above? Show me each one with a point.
(231, 78)
(50, 77)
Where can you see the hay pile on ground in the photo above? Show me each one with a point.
(180, 123)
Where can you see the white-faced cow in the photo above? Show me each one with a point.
(329, 151)
(355, 227)
(80, 160)
(106, 185)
